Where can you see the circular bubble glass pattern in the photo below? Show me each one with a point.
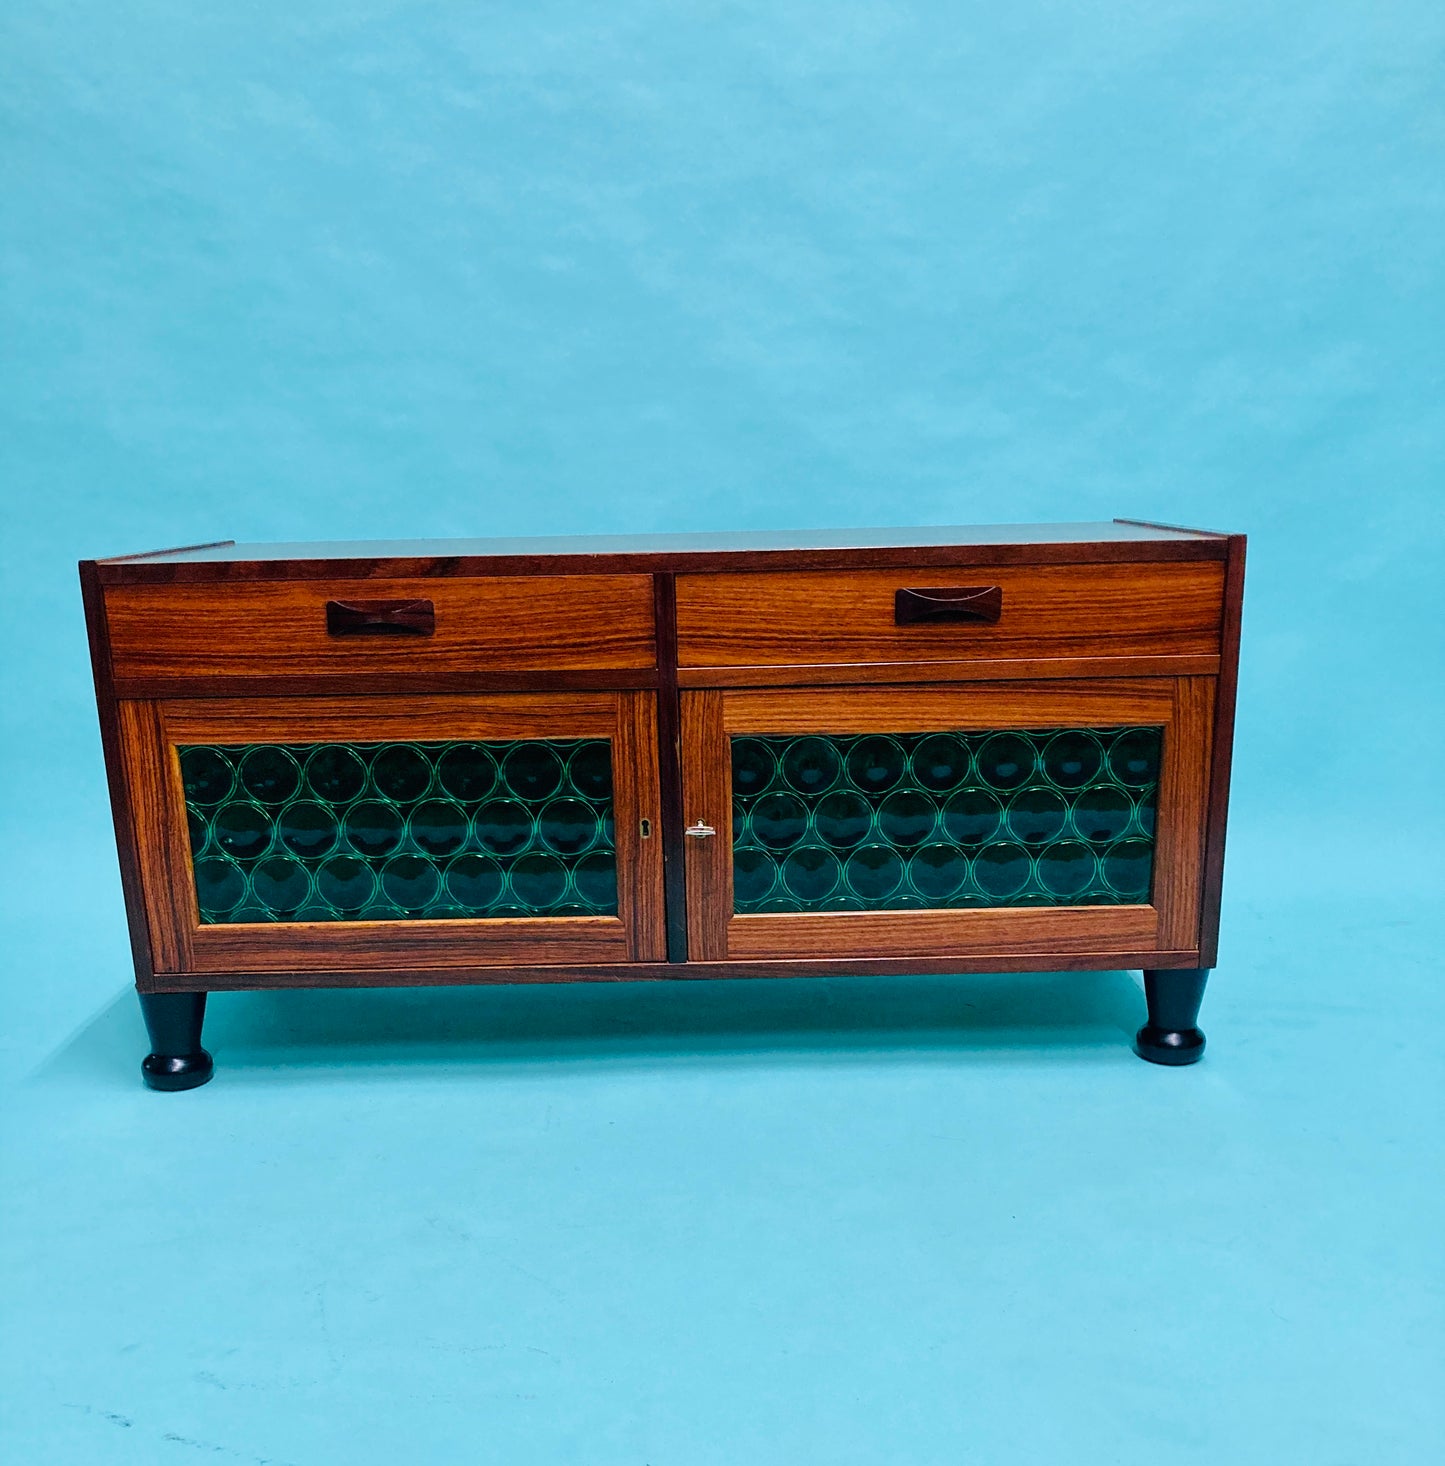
(899, 822)
(754, 766)
(940, 762)
(810, 872)
(243, 830)
(208, 776)
(335, 774)
(270, 775)
(402, 831)
(467, 772)
(308, 829)
(876, 763)
(811, 765)
(439, 827)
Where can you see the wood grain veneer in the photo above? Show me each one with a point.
(1040, 930)
(388, 719)
(928, 709)
(707, 799)
(425, 945)
(279, 628)
(158, 829)
(640, 859)
(982, 669)
(1048, 611)
(117, 778)
(669, 766)
(1183, 796)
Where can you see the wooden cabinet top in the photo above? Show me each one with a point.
(835, 549)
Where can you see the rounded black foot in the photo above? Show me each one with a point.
(177, 1071)
(1169, 1045)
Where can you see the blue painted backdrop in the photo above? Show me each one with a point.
(343, 270)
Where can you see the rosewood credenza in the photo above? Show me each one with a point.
(1002, 748)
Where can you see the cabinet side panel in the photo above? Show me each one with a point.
(110, 742)
(1222, 752)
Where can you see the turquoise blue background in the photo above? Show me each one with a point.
(341, 270)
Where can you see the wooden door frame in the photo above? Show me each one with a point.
(1170, 923)
(184, 949)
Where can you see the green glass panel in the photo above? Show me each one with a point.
(897, 822)
(402, 831)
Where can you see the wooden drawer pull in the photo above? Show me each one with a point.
(380, 618)
(951, 603)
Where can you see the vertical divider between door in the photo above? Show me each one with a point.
(669, 766)
(706, 770)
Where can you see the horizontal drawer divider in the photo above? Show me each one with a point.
(363, 684)
(989, 670)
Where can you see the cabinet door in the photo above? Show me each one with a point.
(341, 835)
(993, 821)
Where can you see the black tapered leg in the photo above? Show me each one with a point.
(1170, 1036)
(176, 1059)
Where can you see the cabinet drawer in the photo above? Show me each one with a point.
(976, 613)
(296, 629)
